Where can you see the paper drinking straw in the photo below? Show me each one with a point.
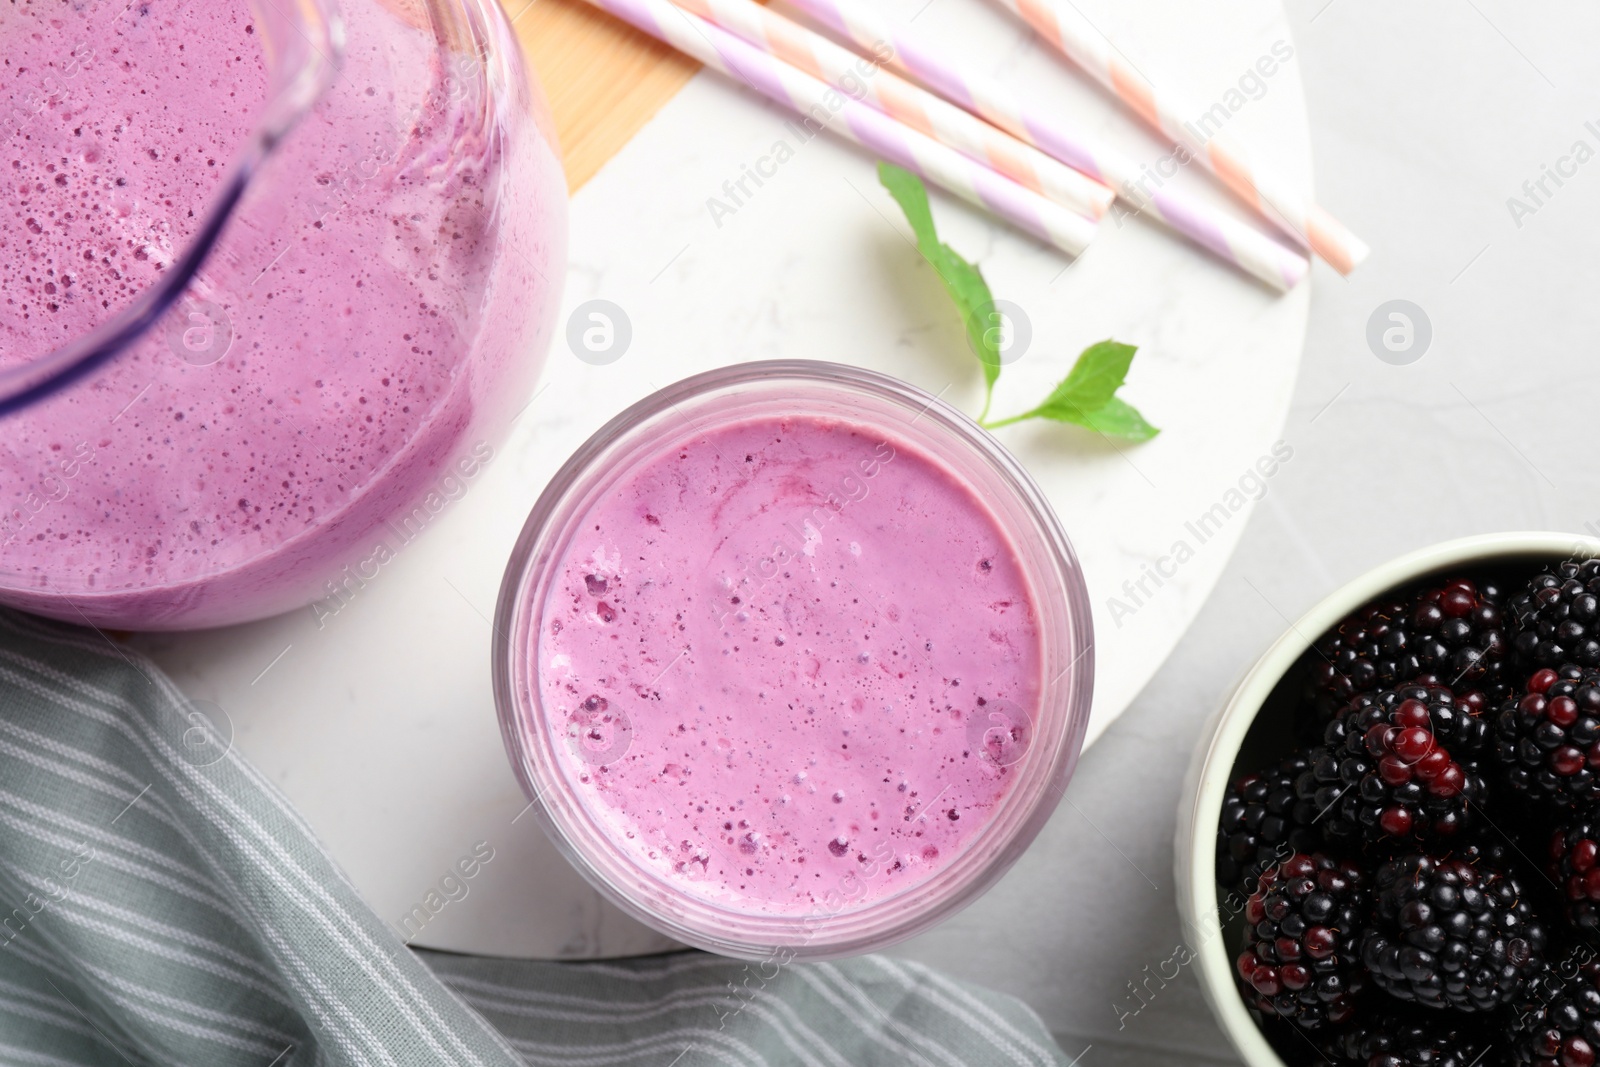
(1231, 240)
(830, 109)
(910, 104)
(1060, 23)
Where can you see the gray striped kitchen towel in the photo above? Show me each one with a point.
(162, 904)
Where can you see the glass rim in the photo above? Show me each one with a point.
(814, 935)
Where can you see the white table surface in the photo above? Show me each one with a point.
(1425, 118)
(378, 721)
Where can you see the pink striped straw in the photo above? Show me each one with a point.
(907, 103)
(1064, 26)
(1233, 241)
(828, 108)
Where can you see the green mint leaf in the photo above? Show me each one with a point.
(1086, 396)
(1117, 418)
(1093, 380)
(912, 196)
(962, 280)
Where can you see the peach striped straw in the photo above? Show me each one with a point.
(907, 103)
(1230, 239)
(818, 103)
(1064, 26)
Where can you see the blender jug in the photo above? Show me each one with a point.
(278, 274)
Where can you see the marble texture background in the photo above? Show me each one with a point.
(1425, 119)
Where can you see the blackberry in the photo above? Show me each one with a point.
(1408, 1039)
(1558, 616)
(1456, 631)
(1299, 961)
(1384, 776)
(1557, 1021)
(1447, 934)
(1262, 822)
(1370, 648)
(1547, 741)
(1457, 723)
(1460, 633)
(1574, 860)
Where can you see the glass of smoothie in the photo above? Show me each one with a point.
(274, 279)
(792, 660)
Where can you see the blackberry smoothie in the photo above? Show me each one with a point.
(787, 655)
(377, 308)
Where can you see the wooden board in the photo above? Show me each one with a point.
(603, 78)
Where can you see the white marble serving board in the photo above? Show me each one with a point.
(378, 721)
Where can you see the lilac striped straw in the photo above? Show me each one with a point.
(907, 103)
(1075, 37)
(826, 107)
(1247, 248)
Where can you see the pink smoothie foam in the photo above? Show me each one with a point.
(389, 292)
(768, 646)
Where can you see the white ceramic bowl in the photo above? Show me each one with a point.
(1213, 765)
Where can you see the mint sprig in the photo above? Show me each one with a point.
(1085, 397)
(962, 280)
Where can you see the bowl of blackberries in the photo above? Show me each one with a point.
(1389, 852)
